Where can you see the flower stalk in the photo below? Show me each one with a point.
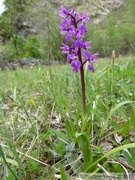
(82, 84)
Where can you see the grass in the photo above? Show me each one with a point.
(42, 131)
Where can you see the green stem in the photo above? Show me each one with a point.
(112, 80)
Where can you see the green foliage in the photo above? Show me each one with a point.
(17, 47)
(9, 52)
(114, 32)
(10, 23)
(14, 48)
(31, 48)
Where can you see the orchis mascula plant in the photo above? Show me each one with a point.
(73, 26)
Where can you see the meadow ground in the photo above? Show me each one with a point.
(43, 134)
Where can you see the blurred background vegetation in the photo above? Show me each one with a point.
(30, 29)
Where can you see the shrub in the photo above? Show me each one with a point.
(14, 48)
(31, 48)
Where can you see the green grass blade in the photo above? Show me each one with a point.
(11, 161)
(111, 113)
(63, 174)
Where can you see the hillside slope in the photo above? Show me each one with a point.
(98, 11)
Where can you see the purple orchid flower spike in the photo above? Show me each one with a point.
(74, 28)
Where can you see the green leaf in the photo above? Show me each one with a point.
(126, 129)
(11, 177)
(133, 118)
(116, 126)
(61, 135)
(14, 94)
(129, 158)
(66, 105)
(59, 147)
(72, 158)
(63, 174)
(70, 129)
(11, 161)
(84, 143)
(132, 151)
